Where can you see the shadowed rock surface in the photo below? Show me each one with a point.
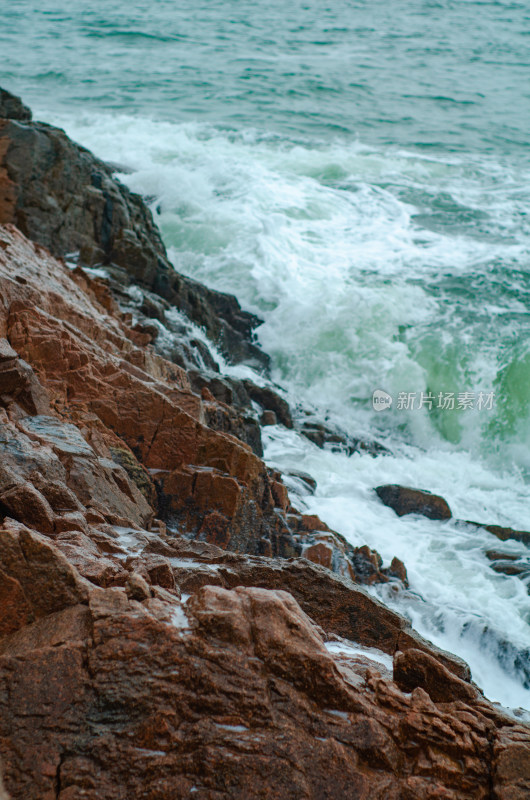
(12, 107)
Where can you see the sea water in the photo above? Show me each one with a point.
(358, 174)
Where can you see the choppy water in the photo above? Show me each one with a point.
(359, 175)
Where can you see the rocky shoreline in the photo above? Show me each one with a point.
(171, 626)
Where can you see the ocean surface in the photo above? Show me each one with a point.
(358, 174)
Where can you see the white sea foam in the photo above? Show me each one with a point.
(353, 650)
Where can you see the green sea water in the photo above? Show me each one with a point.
(450, 74)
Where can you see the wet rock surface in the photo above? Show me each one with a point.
(170, 625)
(124, 431)
(503, 533)
(405, 500)
(326, 436)
(81, 208)
(12, 107)
(230, 690)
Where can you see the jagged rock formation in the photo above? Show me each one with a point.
(170, 626)
(60, 196)
(229, 693)
(88, 340)
(77, 379)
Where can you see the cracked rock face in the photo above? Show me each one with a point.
(226, 693)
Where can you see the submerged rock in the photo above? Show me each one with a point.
(504, 534)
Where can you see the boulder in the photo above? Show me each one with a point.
(40, 578)
(405, 500)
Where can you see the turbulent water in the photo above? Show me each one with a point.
(358, 174)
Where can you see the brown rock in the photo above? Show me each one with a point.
(71, 521)
(504, 534)
(320, 553)
(215, 529)
(86, 558)
(413, 501)
(15, 609)
(510, 568)
(48, 582)
(330, 600)
(71, 624)
(137, 587)
(19, 385)
(24, 503)
(234, 695)
(508, 533)
(512, 763)
(268, 418)
(416, 668)
(397, 570)
(498, 555)
(59, 496)
(156, 569)
(271, 625)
